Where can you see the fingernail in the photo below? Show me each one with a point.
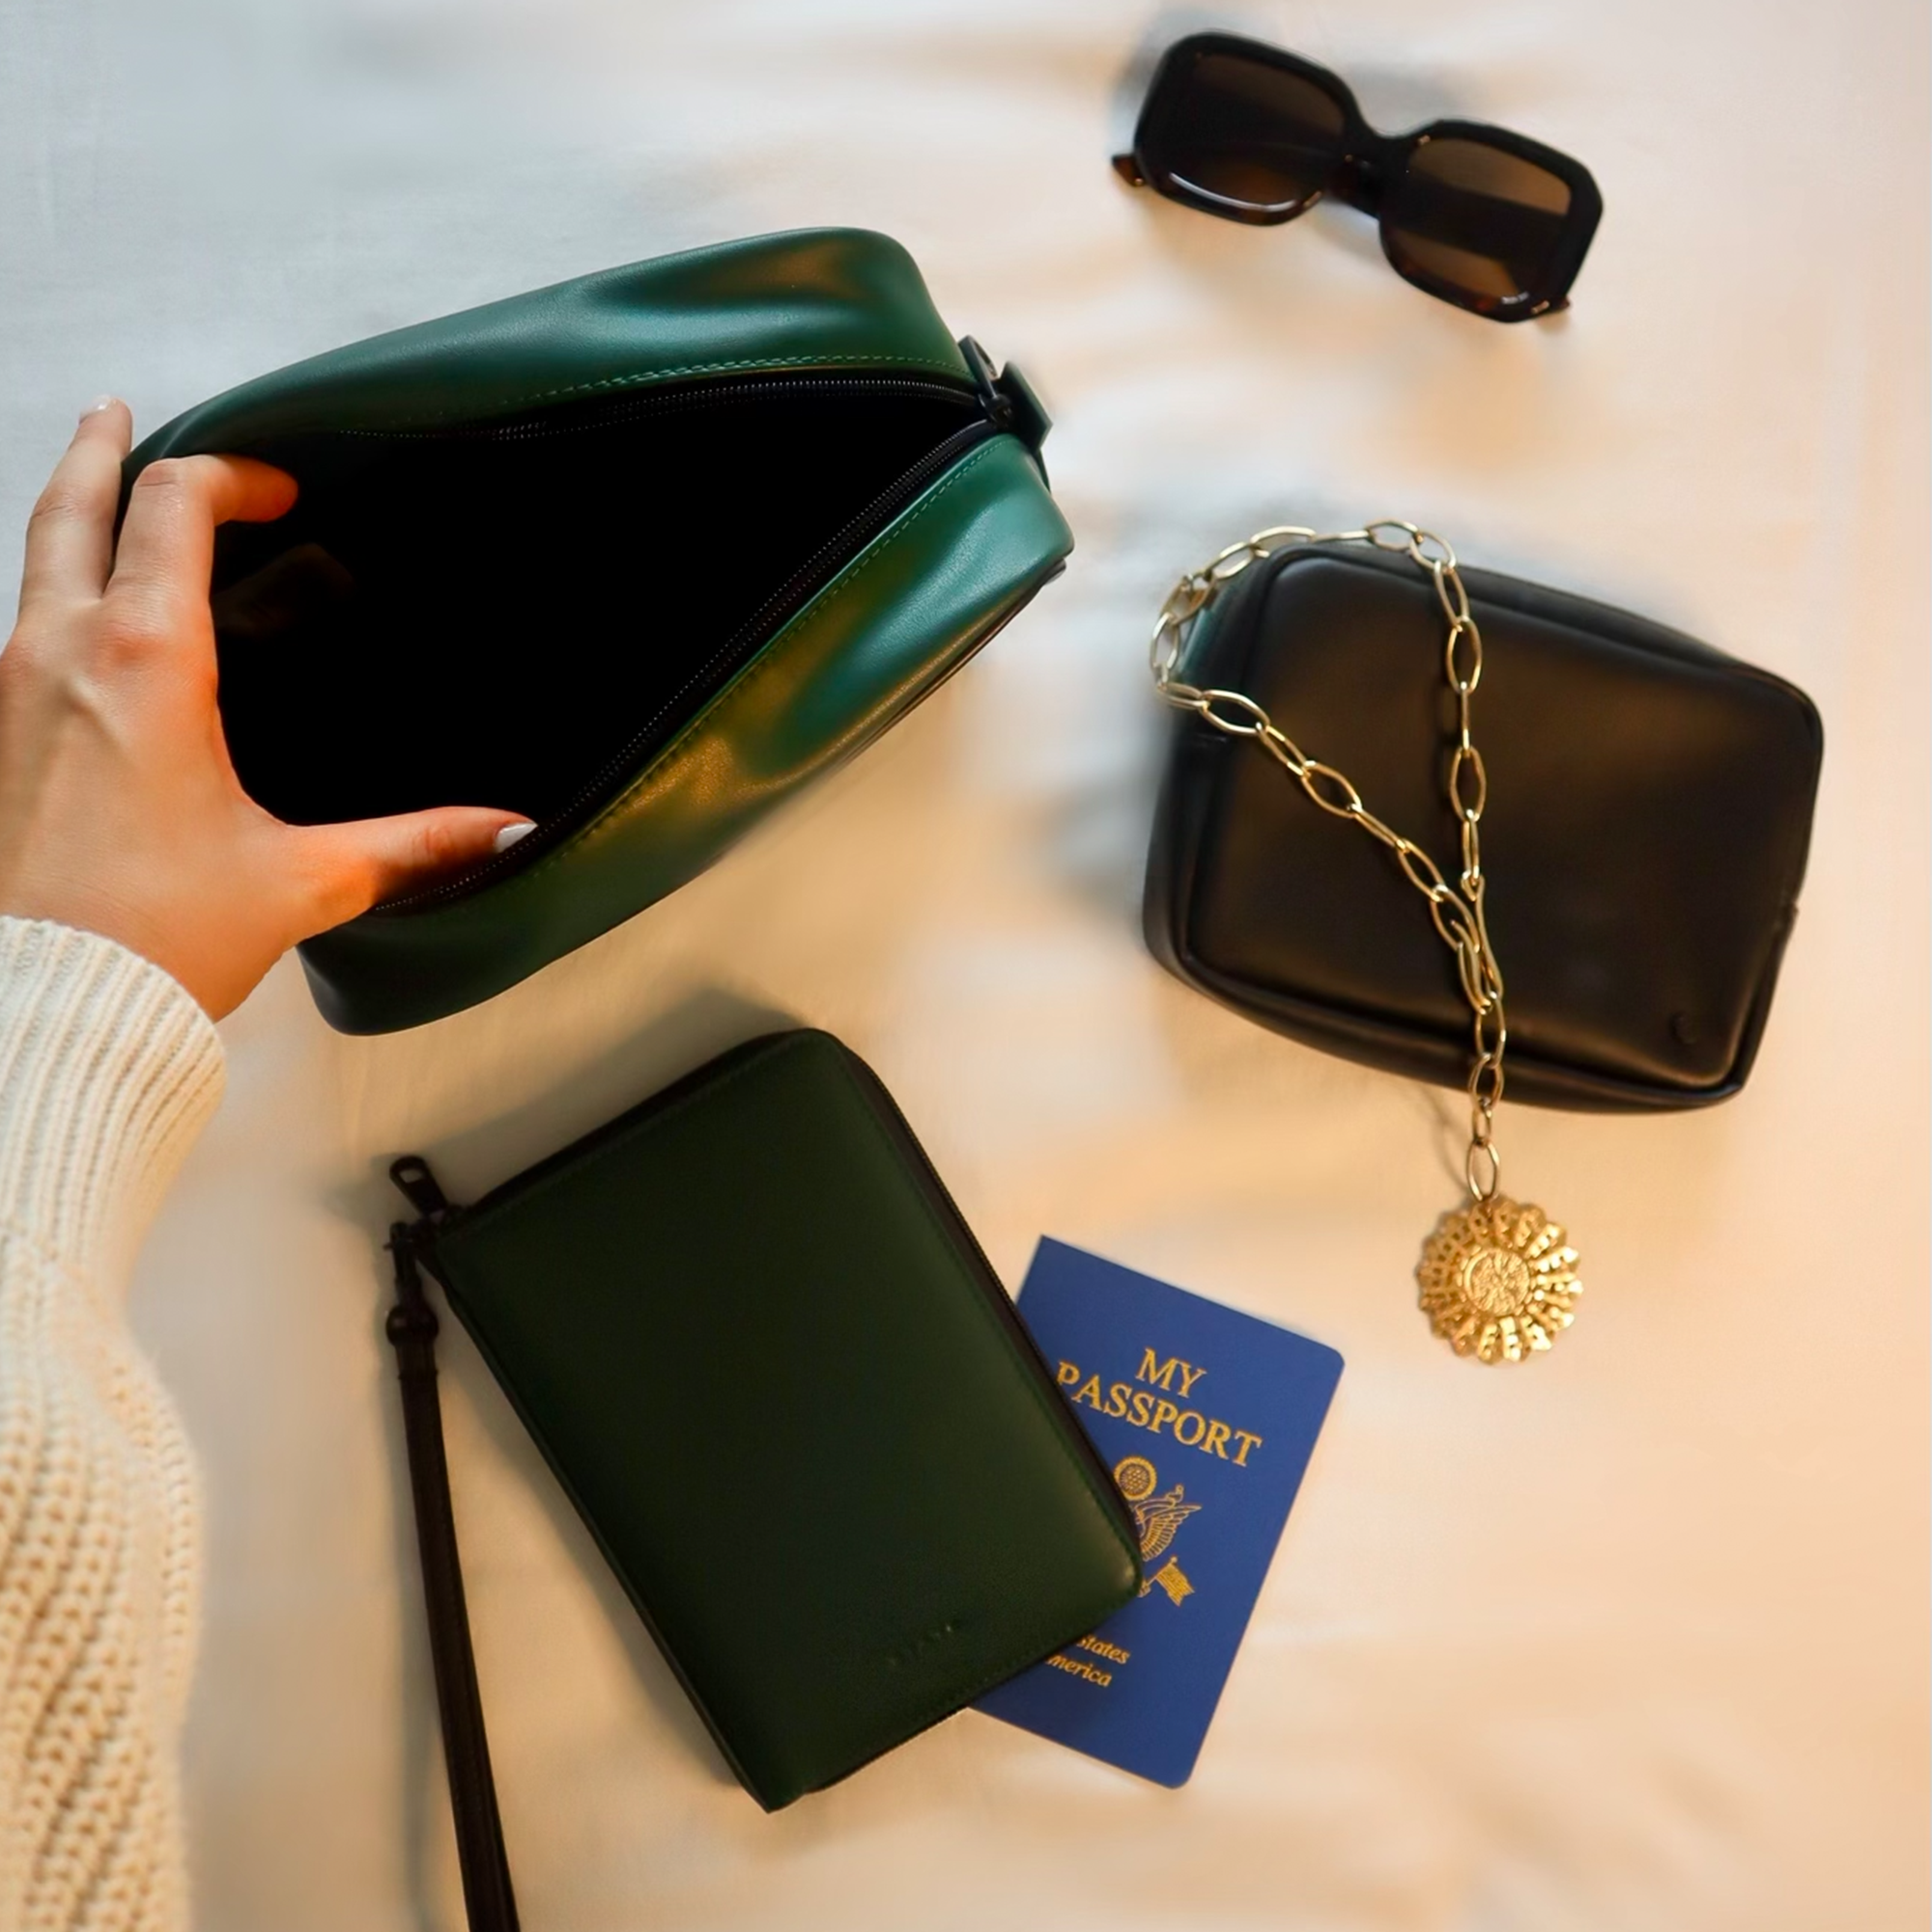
(510, 834)
(99, 404)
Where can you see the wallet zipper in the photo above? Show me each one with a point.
(791, 597)
(945, 1210)
(413, 1177)
(421, 1190)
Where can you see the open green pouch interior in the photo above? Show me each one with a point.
(634, 556)
(763, 1353)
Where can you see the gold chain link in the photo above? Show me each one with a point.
(1457, 916)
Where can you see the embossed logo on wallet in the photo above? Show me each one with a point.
(916, 1650)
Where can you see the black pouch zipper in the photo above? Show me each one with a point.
(791, 597)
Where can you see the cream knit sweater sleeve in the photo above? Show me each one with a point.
(107, 1071)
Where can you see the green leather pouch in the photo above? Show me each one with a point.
(636, 556)
(765, 1357)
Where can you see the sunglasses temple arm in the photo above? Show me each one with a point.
(1130, 171)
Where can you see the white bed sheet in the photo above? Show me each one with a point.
(1633, 1638)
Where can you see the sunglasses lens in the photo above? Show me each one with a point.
(1478, 217)
(1248, 134)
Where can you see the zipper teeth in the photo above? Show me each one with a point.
(891, 1119)
(988, 1281)
(633, 1118)
(793, 594)
(672, 401)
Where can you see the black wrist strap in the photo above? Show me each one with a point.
(491, 1903)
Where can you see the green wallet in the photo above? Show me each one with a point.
(763, 1353)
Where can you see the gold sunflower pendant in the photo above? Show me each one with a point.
(1497, 1280)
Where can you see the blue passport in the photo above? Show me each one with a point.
(1207, 1418)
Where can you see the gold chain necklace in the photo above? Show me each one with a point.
(1497, 1278)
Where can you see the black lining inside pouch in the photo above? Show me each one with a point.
(1645, 835)
(517, 613)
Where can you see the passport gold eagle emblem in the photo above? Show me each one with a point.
(1157, 1519)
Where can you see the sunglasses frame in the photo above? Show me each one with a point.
(1367, 166)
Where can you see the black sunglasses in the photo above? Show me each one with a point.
(1481, 217)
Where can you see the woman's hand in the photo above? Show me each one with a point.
(120, 812)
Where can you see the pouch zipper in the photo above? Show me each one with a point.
(677, 397)
(784, 603)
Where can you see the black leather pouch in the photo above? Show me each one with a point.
(1648, 815)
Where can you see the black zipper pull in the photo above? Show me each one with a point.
(1029, 419)
(1007, 399)
(420, 1186)
(985, 379)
